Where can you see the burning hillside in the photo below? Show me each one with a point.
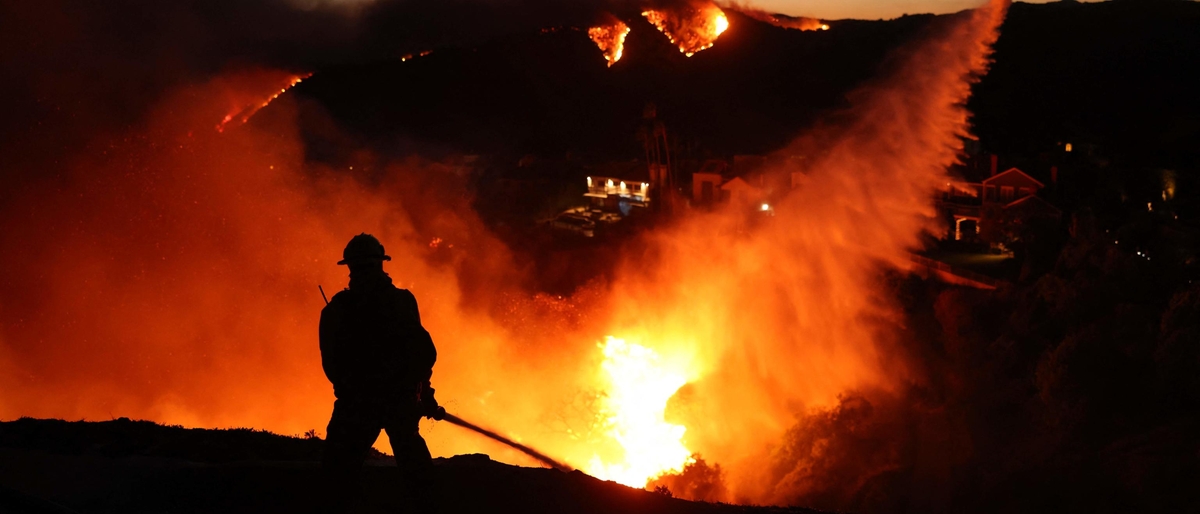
(610, 37)
(241, 109)
(691, 26)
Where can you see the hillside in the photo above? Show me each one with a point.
(1112, 74)
(138, 466)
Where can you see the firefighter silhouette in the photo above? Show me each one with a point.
(379, 359)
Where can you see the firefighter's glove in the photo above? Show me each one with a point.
(429, 405)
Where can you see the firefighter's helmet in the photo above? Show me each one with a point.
(363, 247)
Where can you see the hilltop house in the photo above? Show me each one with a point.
(744, 184)
(1000, 198)
(706, 183)
(619, 187)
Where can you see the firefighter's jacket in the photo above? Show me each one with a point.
(373, 347)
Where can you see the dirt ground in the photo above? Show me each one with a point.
(122, 466)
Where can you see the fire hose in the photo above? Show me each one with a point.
(504, 440)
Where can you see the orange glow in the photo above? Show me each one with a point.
(610, 38)
(692, 29)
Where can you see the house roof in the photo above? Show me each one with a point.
(1032, 199)
(737, 182)
(1011, 171)
(714, 166)
(629, 171)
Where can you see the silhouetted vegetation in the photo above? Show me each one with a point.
(1074, 389)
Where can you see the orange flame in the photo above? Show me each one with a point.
(640, 382)
(611, 39)
(692, 29)
(242, 110)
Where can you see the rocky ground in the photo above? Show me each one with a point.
(54, 466)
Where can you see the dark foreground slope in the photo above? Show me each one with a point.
(138, 466)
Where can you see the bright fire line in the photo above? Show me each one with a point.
(611, 40)
(242, 114)
(640, 384)
(690, 30)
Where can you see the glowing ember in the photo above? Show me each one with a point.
(640, 384)
(241, 113)
(611, 39)
(691, 29)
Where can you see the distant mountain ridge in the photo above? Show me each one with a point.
(1116, 74)
(551, 93)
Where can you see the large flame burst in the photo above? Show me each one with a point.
(692, 29)
(611, 39)
(639, 383)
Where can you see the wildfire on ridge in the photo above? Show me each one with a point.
(691, 29)
(782, 21)
(409, 57)
(242, 112)
(788, 23)
(639, 384)
(610, 37)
